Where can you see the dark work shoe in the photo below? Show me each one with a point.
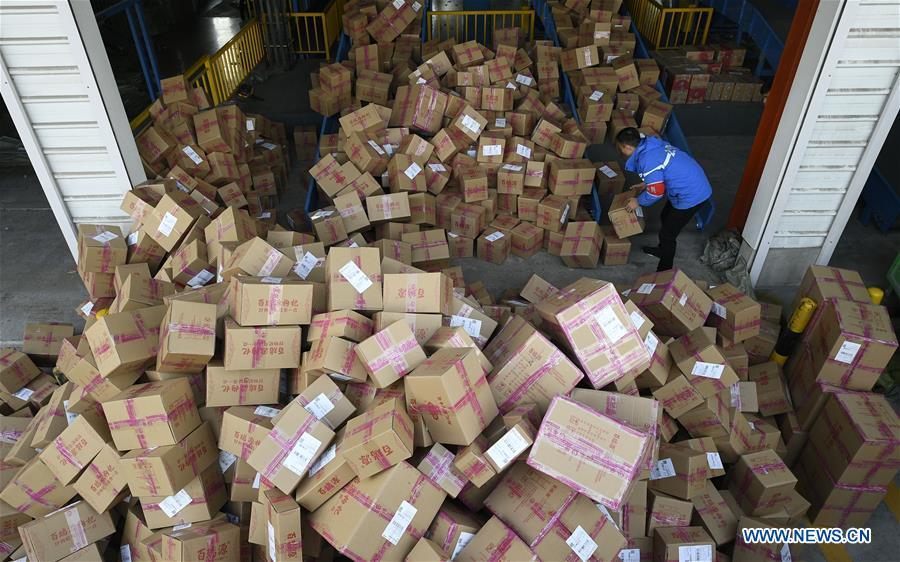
(652, 250)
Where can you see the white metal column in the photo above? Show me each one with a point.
(843, 101)
(57, 83)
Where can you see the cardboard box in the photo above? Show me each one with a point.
(428, 245)
(495, 540)
(35, 491)
(667, 511)
(378, 439)
(164, 470)
(680, 471)
(601, 441)
(426, 550)
(437, 466)
(450, 392)
(734, 315)
(268, 347)
(674, 303)
(100, 248)
(240, 387)
(213, 541)
(390, 354)
(822, 282)
(702, 363)
(493, 246)
(152, 414)
(270, 301)
(344, 324)
(16, 370)
(677, 395)
(187, 337)
(103, 482)
(243, 429)
(125, 342)
(683, 543)
(198, 501)
(323, 399)
(717, 518)
(76, 446)
(581, 244)
(626, 223)
(283, 527)
(63, 532)
(761, 482)
(417, 292)
(588, 316)
(326, 477)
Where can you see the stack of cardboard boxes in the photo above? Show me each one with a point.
(245, 391)
(706, 73)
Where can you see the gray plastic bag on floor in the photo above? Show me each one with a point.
(721, 254)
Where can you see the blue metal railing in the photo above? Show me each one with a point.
(542, 8)
(749, 20)
(143, 44)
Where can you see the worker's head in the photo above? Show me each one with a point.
(627, 140)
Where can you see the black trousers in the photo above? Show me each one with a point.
(673, 221)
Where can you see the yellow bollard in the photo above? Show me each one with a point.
(102, 312)
(798, 322)
(876, 294)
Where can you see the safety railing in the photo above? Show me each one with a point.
(478, 25)
(667, 28)
(220, 74)
(313, 33)
(141, 39)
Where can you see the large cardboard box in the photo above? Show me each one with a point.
(284, 540)
(354, 279)
(164, 470)
(378, 439)
(103, 482)
(35, 491)
(680, 471)
(267, 347)
(152, 414)
(450, 392)
(589, 317)
(626, 223)
(198, 501)
(761, 483)
(379, 517)
(240, 387)
(63, 532)
(734, 314)
(16, 370)
(683, 543)
(552, 518)
(702, 363)
(496, 541)
(270, 301)
(213, 541)
(674, 303)
(592, 453)
(390, 354)
(581, 244)
(323, 399)
(187, 337)
(822, 282)
(125, 342)
(76, 446)
(417, 292)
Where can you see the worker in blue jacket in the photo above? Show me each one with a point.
(667, 173)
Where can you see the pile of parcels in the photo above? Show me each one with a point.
(310, 403)
(708, 73)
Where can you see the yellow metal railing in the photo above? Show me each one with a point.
(313, 33)
(220, 73)
(667, 28)
(476, 25)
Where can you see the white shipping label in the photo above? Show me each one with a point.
(587, 57)
(192, 154)
(610, 324)
(226, 459)
(173, 504)
(608, 172)
(303, 267)
(699, 553)
(714, 461)
(637, 320)
(472, 326)
(167, 224)
(70, 416)
(601, 35)
(87, 308)
(639, 213)
(200, 279)
(266, 411)
(630, 555)
(662, 469)
(564, 215)
(302, 454)
(323, 460)
(683, 300)
(376, 148)
(23, 394)
(105, 236)
(399, 522)
(356, 277)
(786, 553)
(250, 126)
(273, 550)
(463, 540)
(256, 478)
(266, 215)
(76, 528)
(523, 151)
(596, 96)
(646, 288)
(524, 80)
(389, 148)
(182, 526)
(718, 310)
(492, 150)
(321, 214)
(500, 122)
(735, 395)
(512, 167)
(416, 6)
(472, 153)
(651, 341)
(708, 370)
(471, 124)
(847, 352)
(494, 236)
(581, 544)
(437, 167)
(510, 86)
(398, 4)
(412, 171)
(319, 406)
(132, 238)
(271, 280)
(452, 235)
(507, 448)
(125, 552)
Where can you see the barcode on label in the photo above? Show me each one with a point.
(173, 504)
(437, 167)
(507, 448)
(708, 370)
(167, 224)
(523, 151)
(847, 352)
(564, 215)
(472, 326)
(200, 279)
(302, 454)
(646, 288)
(266, 411)
(637, 320)
(500, 122)
(662, 469)
(226, 459)
(305, 265)
(699, 553)
(356, 277)
(714, 461)
(651, 341)
(463, 540)
(323, 460)
(683, 300)
(471, 124)
(192, 154)
(494, 236)
(412, 171)
(512, 167)
(718, 310)
(319, 406)
(581, 544)
(399, 522)
(23, 394)
(525, 80)
(596, 96)
(610, 324)
(105, 236)
(492, 150)
(608, 172)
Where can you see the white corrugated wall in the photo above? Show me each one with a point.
(57, 83)
(843, 102)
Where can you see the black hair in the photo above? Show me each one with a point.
(629, 136)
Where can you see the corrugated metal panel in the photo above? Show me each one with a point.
(855, 102)
(54, 90)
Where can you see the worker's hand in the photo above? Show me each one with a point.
(632, 205)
